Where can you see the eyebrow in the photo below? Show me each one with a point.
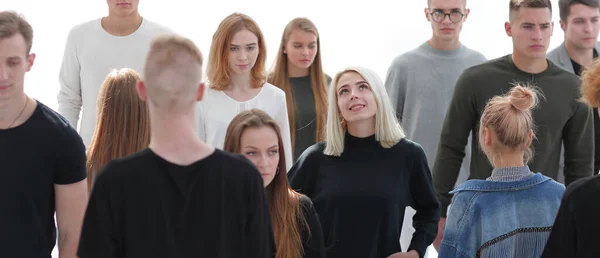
(357, 83)
(451, 10)
(296, 42)
(252, 147)
(246, 44)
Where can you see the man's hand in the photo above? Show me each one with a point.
(409, 254)
(438, 239)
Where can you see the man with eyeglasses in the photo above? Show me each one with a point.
(420, 83)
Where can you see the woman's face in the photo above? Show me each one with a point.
(355, 99)
(243, 52)
(261, 146)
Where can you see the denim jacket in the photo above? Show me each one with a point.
(501, 219)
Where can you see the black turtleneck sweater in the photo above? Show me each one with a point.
(559, 118)
(361, 196)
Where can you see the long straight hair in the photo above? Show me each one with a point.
(218, 71)
(318, 81)
(284, 203)
(122, 124)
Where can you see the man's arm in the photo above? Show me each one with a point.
(578, 139)
(460, 120)
(71, 201)
(69, 96)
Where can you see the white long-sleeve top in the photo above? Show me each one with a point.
(216, 110)
(89, 56)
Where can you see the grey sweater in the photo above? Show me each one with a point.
(420, 84)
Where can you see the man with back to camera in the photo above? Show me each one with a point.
(579, 19)
(93, 49)
(42, 159)
(560, 117)
(429, 72)
(179, 197)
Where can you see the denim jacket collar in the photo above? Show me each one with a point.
(494, 186)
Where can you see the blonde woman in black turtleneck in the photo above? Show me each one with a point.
(366, 173)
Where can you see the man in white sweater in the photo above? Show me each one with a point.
(421, 83)
(93, 49)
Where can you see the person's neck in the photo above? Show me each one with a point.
(240, 83)
(174, 138)
(446, 45)
(362, 129)
(122, 25)
(584, 57)
(11, 110)
(529, 65)
(294, 71)
(509, 160)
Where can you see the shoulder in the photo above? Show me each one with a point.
(583, 188)
(306, 203)
(56, 125)
(155, 28)
(273, 91)
(407, 58)
(83, 27)
(554, 53)
(474, 55)
(406, 145)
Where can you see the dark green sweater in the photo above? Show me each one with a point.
(559, 116)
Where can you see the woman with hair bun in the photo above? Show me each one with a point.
(510, 214)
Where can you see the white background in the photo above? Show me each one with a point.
(367, 33)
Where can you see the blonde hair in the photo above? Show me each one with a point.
(388, 131)
(173, 72)
(218, 71)
(318, 80)
(122, 123)
(509, 118)
(590, 84)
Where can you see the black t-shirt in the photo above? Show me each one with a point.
(145, 206)
(35, 156)
(361, 196)
(576, 231)
(577, 69)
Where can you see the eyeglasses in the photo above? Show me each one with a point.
(439, 16)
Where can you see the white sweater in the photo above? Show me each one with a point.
(90, 55)
(216, 110)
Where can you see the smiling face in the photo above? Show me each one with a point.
(356, 102)
(261, 146)
(243, 52)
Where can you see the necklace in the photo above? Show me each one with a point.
(16, 118)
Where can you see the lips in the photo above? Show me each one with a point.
(356, 107)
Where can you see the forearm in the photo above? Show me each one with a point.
(67, 244)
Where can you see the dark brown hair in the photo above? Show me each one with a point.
(515, 5)
(564, 6)
(284, 203)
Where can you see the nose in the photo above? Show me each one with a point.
(243, 55)
(305, 51)
(3, 73)
(537, 34)
(263, 161)
(587, 27)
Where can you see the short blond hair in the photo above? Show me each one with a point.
(173, 72)
(388, 131)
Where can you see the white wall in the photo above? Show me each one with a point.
(367, 33)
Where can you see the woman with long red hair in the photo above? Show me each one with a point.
(296, 227)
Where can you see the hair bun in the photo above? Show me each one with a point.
(522, 97)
